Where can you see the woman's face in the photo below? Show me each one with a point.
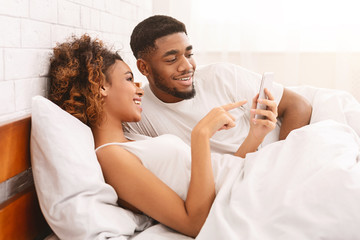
(122, 96)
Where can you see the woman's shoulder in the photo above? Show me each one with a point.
(115, 152)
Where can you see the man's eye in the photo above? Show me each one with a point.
(190, 55)
(171, 60)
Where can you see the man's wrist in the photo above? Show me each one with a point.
(254, 140)
(250, 144)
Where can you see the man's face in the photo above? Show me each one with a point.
(171, 68)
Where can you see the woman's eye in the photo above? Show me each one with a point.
(130, 79)
(190, 55)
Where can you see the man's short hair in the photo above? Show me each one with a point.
(145, 34)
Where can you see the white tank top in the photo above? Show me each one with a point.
(169, 158)
(166, 156)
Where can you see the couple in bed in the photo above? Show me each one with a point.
(162, 176)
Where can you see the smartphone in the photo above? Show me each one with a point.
(266, 82)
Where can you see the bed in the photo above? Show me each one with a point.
(78, 204)
(20, 215)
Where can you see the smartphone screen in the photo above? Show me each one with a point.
(266, 82)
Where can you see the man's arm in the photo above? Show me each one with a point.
(294, 111)
(259, 128)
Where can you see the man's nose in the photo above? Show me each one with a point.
(185, 64)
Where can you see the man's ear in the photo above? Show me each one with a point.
(143, 67)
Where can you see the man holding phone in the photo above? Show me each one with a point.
(177, 96)
(266, 83)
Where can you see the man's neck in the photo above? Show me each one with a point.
(163, 96)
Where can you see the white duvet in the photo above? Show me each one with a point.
(305, 187)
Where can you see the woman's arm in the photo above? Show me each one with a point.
(139, 188)
(201, 192)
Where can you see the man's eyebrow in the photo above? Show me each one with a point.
(174, 52)
(171, 52)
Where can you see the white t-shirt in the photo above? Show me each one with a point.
(216, 85)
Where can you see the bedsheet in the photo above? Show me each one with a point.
(306, 187)
(337, 105)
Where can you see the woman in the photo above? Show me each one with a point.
(96, 86)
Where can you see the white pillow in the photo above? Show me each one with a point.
(74, 198)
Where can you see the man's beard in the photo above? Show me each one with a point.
(160, 83)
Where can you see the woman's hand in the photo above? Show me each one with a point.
(201, 192)
(217, 119)
(259, 128)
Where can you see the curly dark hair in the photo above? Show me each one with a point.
(144, 35)
(77, 72)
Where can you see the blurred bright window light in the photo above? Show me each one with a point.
(276, 25)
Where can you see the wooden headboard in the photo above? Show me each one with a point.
(20, 215)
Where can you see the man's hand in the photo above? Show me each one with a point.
(259, 128)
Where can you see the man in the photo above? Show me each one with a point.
(177, 96)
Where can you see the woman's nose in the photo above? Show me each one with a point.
(140, 93)
(139, 90)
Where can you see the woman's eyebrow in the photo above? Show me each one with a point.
(129, 72)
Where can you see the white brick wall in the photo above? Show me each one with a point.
(25, 63)
(7, 97)
(44, 10)
(10, 32)
(17, 8)
(69, 13)
(90, 18)
(30, 28)
(38, 34)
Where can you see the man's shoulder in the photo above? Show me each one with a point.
(214, 66)
(221, 68)
(213, 72)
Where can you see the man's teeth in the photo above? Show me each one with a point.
(184, 79)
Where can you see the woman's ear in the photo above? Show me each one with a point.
(143, 67)
(104, 91)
